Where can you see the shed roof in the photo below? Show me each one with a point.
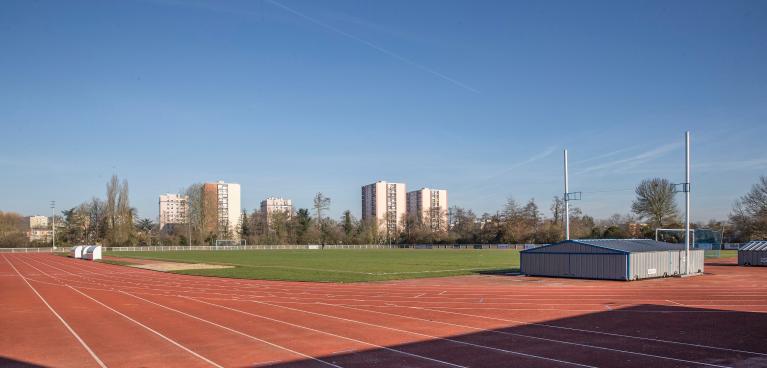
(622, 245)
(754, 245)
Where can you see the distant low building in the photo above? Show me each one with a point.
(429, 206)
(634, 229)
(39, 235)
(273, 205)
(39, 229)
(38, 222)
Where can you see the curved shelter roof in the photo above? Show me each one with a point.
(754, 245)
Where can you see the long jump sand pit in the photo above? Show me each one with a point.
(176, 266)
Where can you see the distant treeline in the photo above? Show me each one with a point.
(113, 222)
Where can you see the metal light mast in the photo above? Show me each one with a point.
(567, 201)
(53, 224)
(687, 202)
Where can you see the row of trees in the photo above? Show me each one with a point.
(113, 222)
(654, 206)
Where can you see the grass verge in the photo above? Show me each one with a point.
(342, 265)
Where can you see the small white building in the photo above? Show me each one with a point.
(38, 222)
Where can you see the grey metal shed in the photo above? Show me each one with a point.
(753, 254)
(610, 259)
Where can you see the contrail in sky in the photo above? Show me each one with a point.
(374, 46)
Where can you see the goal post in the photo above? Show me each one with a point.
(230, 242)
(674, 236)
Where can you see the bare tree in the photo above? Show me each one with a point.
(655, 201)
(749, 213)
(321, 203)
(110, 209)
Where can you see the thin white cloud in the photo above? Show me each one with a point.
(374, 46)
(609, 154)
(633, 160)
(531, 159)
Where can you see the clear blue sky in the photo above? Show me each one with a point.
(293, 97)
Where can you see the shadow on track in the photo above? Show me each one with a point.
(694, 337)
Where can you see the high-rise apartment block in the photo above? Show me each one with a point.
(223, 201)
(429, 206)
(173, 209)
(385, 203)
(273, 205)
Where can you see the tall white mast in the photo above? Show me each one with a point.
(567, 201)
(687, 202)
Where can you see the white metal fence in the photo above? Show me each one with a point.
(279, 247)
(245, 247)
(34, 250)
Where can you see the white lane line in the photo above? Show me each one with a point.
(233, 330)
(419, 295)
(72, 331)
(168, 339)
(591, 331)
(327, 333)
(409, 332)
(532, 337)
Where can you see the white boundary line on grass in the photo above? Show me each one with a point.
(72, 331)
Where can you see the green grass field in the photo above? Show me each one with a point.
(347, 265)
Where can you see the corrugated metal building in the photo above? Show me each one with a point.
(753, 254)
(609, 259)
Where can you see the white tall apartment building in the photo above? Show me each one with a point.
(386, 203)
(225, 199)
(38, 222)
(173, 209)
(271, 205)
(430, 207)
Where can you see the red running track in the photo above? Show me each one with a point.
(56, 311)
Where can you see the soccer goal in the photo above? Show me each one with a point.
(230, 242)
(674, 236)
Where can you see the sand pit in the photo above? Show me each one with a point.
(175, 266)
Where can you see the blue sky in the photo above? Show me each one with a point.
(291, 97)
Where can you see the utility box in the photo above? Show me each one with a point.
(92, 252)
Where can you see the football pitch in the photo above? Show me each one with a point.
(341, 265)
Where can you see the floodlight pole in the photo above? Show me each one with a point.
(687, 202)
(567, 201)
(53, 224)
